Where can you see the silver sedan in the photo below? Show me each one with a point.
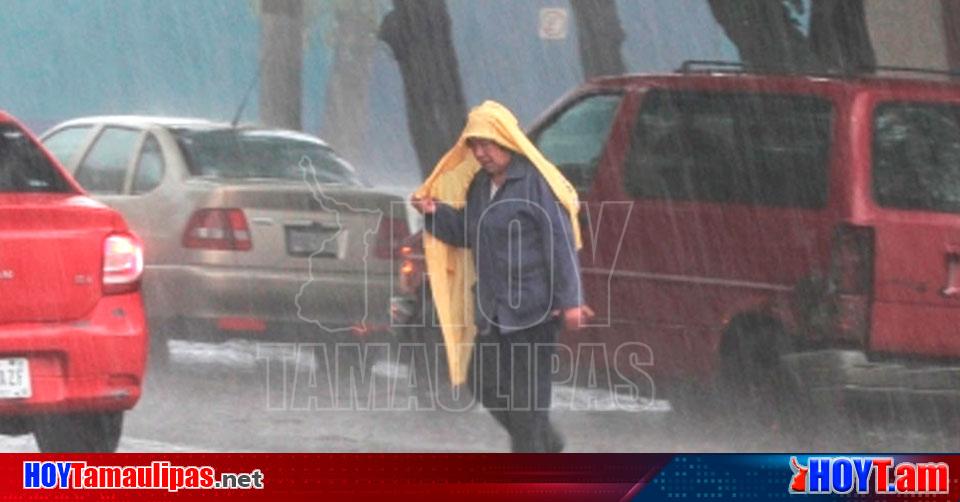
(247, 231)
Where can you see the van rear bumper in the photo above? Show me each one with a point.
(909, 394)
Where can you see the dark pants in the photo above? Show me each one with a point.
(510, 374)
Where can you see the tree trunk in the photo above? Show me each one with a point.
(951, 30)
(347, 97)
(763, 33)
(767, 37)
(418, 32)
(281, 63)
(600, 35)
(838, 35)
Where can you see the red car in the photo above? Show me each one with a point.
(73, 335)
(772, 243)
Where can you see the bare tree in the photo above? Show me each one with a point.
(951, 30)
(418, 32)
(281, 63)
(600, 35)
(839, 35)
(354, 43)
(767, 33)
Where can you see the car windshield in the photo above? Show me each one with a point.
(24, 167)
(253, 153)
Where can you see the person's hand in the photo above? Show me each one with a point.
(426, 205)
(575, 318)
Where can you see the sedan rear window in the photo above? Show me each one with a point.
(24, 167)
(253, 153)
(916, 156)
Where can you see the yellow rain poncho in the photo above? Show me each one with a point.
(451, 268)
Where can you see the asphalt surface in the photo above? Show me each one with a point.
(241, 396)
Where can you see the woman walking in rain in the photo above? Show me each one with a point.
(502, 228)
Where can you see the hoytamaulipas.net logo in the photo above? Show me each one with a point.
(159, 475)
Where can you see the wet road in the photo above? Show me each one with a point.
(241, 396)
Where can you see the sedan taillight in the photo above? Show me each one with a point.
(122, 264)
(222, 229)
(391, 233)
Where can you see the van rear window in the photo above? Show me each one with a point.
(745, 148)
(916, 156)
(24, 167)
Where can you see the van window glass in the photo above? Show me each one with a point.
(916, 156)
(574, 141)
(150, 169)
(23, 165)
(744, 148)
(104, 169)
(66, 143)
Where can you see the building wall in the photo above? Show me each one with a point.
(907, 33)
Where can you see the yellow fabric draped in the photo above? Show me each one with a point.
(450, 268)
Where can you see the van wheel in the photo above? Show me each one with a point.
(79, 433)
(757, 394)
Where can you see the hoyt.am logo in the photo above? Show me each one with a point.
(879, 475)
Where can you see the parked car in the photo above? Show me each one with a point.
(776, 242)
(248, 231)
(73, 335)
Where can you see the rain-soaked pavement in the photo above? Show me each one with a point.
(241, 396)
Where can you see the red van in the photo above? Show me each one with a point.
(72, 332)
(758, 237)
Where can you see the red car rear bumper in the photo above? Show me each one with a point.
(91, 364)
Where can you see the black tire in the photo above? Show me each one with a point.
(756, 392)
(79, 433)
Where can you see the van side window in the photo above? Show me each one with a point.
(752, 149)
(104, 169)
(149, 171)
(574, 140)
(916, 156)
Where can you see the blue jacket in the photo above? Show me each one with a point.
(522, 245)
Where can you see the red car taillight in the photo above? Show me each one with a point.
(391, 233)
(122, 264)
(222, 229)
(851, 260)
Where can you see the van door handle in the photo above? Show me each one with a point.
(952, 289)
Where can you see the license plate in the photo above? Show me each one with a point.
(314, 240)
(14, 378)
